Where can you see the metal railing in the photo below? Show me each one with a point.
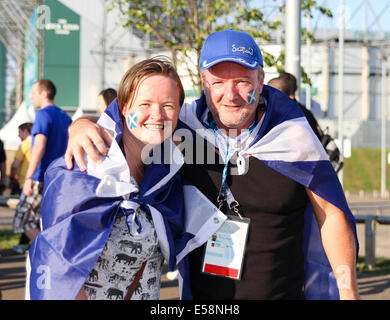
(374, 216)
(377, 208)
(10, 202)
(370, 221)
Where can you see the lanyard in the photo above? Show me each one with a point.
(225, 193)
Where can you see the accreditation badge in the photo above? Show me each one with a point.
(224, 254)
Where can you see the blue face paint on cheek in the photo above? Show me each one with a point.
(252, 96)
(132, 120)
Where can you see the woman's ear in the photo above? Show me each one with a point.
(125, 109)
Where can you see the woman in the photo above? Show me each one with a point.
(105, 229)
(146, 99)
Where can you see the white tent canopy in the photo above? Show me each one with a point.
(9, 133)
(79, 113)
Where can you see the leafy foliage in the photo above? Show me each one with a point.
(363, 170)
(382, 266)
(8, 239)
(181, 26)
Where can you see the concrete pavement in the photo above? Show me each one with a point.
(371, 286)
(13, 273)
(12, 281)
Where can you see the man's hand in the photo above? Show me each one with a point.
(86, 136)
(339, 244)
(28, 187)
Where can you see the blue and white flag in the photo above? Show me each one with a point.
(284, 141)
(79, 209)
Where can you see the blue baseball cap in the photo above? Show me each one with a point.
(230, 45)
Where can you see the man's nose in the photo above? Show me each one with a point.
(231, 90)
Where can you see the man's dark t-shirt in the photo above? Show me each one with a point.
(273, 266)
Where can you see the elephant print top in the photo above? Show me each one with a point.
(120, 260)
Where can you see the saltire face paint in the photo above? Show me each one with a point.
(251, 96)
(132, 120)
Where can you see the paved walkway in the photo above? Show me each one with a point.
(374, 287)
(13, 273)
(12, 269)
(12, 280)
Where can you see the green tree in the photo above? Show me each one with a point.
(181, 26)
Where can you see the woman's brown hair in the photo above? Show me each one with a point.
(157, 65)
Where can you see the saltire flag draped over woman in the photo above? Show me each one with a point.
(79, 209)
(284, 141)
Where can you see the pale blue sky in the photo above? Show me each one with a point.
(360, 14)
(374, 14)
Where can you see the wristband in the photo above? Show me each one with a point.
(28, 178)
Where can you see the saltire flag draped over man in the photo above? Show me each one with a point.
(284, 141)
(79, 209)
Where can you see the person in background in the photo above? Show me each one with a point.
(49, 140)
(105, 97)
(287, 83)
(18, 172)
(3, 159)
(23, 155)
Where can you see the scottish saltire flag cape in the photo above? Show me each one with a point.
(79, 209)
(284, 141)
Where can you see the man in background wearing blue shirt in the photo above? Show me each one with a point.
(49, 140)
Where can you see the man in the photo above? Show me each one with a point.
(3, 159)
(105, 97)
(23, 155)
(49, 139)
(18, 172)
(252, 122)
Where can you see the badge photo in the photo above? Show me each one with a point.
(225, 249)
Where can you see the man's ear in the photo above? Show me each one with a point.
(204, 84)
(202, 79)
(261, 84)
(44, 94)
